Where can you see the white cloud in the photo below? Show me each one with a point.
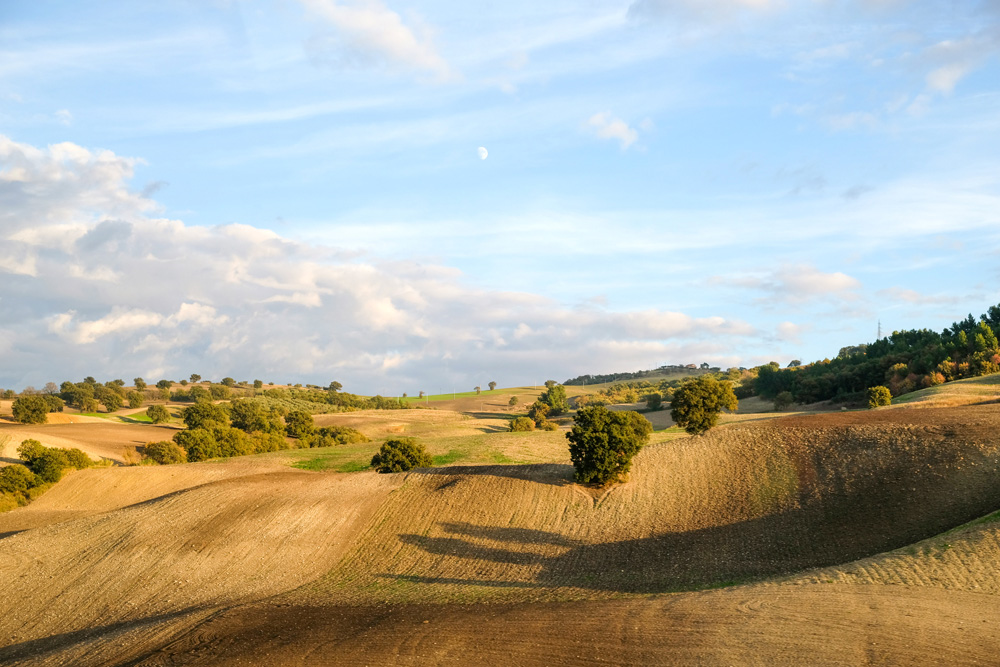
(64, 117)
(797, 284)
(605, 126)
(368, 31)
(92, 293)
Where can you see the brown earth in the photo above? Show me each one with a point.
(837, 518)
(97, 437)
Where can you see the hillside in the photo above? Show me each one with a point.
(816, 525)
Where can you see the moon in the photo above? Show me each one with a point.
(482, 153)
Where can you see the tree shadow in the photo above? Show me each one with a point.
(854, 516)
(554, 474)
(38, 649)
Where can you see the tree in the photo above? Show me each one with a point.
(47, 463)
(258, 384)
(164, 452)
(492, 385)
(334, 387)
(554, 397)
(220, 392)
(229, 382)
(654, 401)
(422, 393)
(550, 383)
(249, 416)
(111, 399)
(158, 414)
(30, 410)
(538, 412)
(602, 443)
(134, 399)
(783, 400)
(521, 424)
(400, 455)
(205, 415)
(478, 389)
(89, 404)
(51, 388)
(199, 443)
(299, 424)
(697, 403)
(879, 396)
(513, 401)
(195, 378)
(164, 384)
(794, 363)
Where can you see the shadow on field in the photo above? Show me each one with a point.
(555, 474)
(38, 649)
(869, 498)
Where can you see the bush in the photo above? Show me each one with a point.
(49, 465)
(165, 453)
(879, 396)
(697, 403)
(400, 455)
(204, 415)
(267, 442)
(538, 412)
(135, 399)
(299, 424)
(549, 426)
(654, 401)
(328, 436)
(602, 443)
(17, 479)
(199, 444)
(522, 424)
(31, 410)
(77, 458)
(783, 400)
(29, 450)
(158, 414)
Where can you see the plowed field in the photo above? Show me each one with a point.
(828, 533)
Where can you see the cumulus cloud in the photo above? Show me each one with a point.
(97, 285)
(797, 284)
(366, 31)
(606, 126)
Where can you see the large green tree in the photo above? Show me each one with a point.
(400, 455)
(31, 409)
(697, 403)
(602, 443)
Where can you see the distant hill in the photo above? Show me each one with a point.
(661, 373)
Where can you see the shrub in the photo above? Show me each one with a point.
(158, 414)
(199, 444)
(783, 400)
(135, 399)
(602, 443)
(513, 401)
(267, 442)
(299, 424)
(29, 450)
(328, 436)
(654, 401)
(202, 415)
(30, 410)
(49, 465)
(697, 403)
(232, 441)
(879, 396)
(77, 458)
(165, 453)
(522, 424)
(549, 426)
(538, 412)
(17, 479)
(400, 455)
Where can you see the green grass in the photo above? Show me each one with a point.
(414, 400)
(137, 418)
(451, 457)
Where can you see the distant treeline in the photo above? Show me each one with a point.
(639, 375)
(903, 362)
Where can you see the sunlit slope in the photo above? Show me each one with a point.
(745, 502)
(152, 565)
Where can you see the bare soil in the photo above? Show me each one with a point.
(97, 437)
(827, 531)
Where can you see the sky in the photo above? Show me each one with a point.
(293, 191)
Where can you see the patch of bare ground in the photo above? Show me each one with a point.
(85, 590)
(814, 625)
(746, 502)
(418, 423)
(97, 437)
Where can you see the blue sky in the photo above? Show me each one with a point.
(290, 190)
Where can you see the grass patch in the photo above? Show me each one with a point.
(137, 418)
(452, 456)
